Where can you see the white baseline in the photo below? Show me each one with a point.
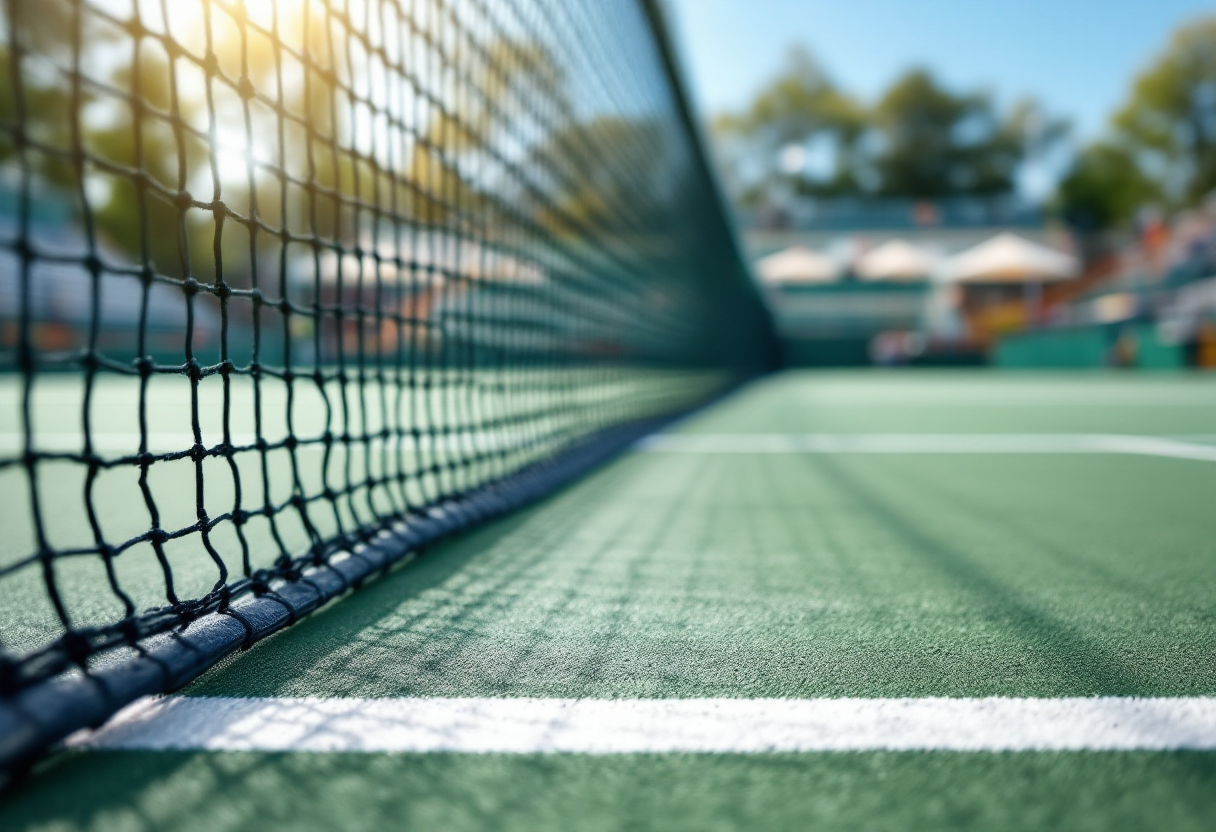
(599, 726)
(724, 443)
(924, 443)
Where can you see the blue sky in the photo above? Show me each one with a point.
(1078, 57)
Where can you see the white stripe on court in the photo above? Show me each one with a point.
(924, 443)
(124, 443)
(128, 443)
(595, 726)
(731, 443)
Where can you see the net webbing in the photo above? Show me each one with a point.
(278, 277)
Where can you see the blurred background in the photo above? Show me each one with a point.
(947, 182)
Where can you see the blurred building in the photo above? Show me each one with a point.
(1149, 301)
(76, 295)
(887, 293)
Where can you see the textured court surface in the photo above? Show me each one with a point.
(746, 576)
(428, 463)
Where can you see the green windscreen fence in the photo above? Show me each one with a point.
(1138, 345)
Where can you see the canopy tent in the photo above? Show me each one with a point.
(1008, 258)
(896, 260)
(797, 264)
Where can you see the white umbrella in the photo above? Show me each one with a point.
(1008, 258)
(797, 265)
(896, 260)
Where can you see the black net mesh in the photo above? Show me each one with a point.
(277, 276)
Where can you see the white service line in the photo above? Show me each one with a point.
(724, 443)
(128, 443)
(924, 443)
(626, 726)
(123, 443)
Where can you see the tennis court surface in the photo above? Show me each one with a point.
(609, 657)
(390, 438)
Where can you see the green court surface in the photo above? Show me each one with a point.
(730, 574)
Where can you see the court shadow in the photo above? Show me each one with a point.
(142, 791)
(1078, 664)
(460, 620)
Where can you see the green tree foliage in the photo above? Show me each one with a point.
(1161, 145)
(46, 111)
(38, 101)
(198, 155)
(935, 143)
(141, 214)
(1104, 188)
(1169, 119)
(116, 146)
(447, 160)
(800, 105)
(583, 198)
(920, 140)
(799, 102)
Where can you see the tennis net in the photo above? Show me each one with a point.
(288, 289)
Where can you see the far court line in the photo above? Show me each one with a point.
(926, 443)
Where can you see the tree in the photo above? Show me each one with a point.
(920, 140)
(133, 212)
(1169, 121)
(449, 157)
(1104, 188)
(42, 104)
(936, 143)
(798, 106)
(157, 125)
(604, 175)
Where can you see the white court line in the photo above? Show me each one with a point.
(914, 443)
(738, 443)
(595, 726)
(128, 443)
